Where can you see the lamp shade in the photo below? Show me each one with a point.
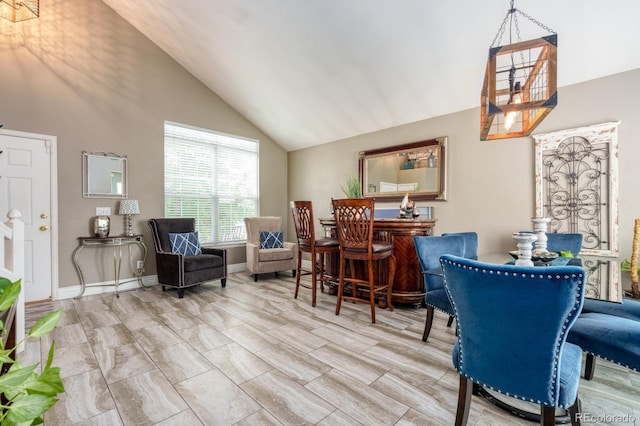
(129, 207)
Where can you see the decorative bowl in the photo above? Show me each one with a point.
(538, 256)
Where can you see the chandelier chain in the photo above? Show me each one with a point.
(511, 12)
(535, 21)
(515, 20)
(500, 32)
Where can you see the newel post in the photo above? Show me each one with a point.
(14, 260)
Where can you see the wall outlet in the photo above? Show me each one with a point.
(103, 211)
(140, 264)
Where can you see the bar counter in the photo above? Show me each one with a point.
(408, 286)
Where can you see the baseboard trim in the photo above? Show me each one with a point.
(107, 287)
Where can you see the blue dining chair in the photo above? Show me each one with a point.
(564, 241)
(608, 330)
(429, 250)
(512, 324)
(470, 243)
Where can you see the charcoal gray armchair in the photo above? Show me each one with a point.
(180, 260)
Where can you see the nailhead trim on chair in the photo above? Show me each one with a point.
(558, 342)
(612, 361)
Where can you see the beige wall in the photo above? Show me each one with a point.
(490, 184)
(83, 74)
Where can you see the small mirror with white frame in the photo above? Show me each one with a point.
(104, 175)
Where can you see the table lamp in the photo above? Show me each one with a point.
(129, 207)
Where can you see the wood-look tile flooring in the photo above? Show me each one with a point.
(250, 354)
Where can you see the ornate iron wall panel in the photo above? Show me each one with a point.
(577, 184)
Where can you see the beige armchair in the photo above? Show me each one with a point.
(266, 260)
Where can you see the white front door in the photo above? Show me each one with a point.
(27, 180)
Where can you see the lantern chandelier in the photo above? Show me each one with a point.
(19, 10)
(520, 82)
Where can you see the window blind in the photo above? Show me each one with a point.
(212, 177)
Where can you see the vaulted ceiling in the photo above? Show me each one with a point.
(308, 72)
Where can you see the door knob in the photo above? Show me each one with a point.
(44, 227)
(43, 216)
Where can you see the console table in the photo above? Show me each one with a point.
(116, 243)
(408, 286)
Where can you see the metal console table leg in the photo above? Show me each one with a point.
(116, 243)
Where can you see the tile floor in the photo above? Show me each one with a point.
(250, 354)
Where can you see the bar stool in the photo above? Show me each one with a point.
(354, 226)
(305, 230)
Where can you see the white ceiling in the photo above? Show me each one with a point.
(308, 72)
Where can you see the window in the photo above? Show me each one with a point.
(212, 177)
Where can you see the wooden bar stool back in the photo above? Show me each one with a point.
(307, 242)
(354, 226)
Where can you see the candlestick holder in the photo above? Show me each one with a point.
(524, 240)
(540, 225)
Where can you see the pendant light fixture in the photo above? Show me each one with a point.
(19, 10)
(520, 82)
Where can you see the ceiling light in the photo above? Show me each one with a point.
(19, 10)
(515, 98)
(520, 82)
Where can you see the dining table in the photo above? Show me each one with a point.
(603, 280)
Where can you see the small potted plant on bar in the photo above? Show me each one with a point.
(352, 189)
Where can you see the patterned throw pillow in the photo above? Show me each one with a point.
(271, 239)
(186, 244)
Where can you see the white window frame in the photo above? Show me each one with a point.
(217, 207)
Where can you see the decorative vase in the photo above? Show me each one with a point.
(101, 226)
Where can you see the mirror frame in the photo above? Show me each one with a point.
(439, 194)
(86, 175)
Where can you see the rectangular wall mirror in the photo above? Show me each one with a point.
(417, 168)
(104, 175)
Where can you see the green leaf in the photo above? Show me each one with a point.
(50, 356)
(352, 188)
(37, 421)
(37, 386)
(15, 376)
(46, 324)
(29, 395)
(625, 266)
(48, 383)
(4, 283)
(5, 356)
(9, 295)
(29, 407)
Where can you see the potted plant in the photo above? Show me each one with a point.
(25, 394)
(352, 188)
(625, 266)
(632, 267)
